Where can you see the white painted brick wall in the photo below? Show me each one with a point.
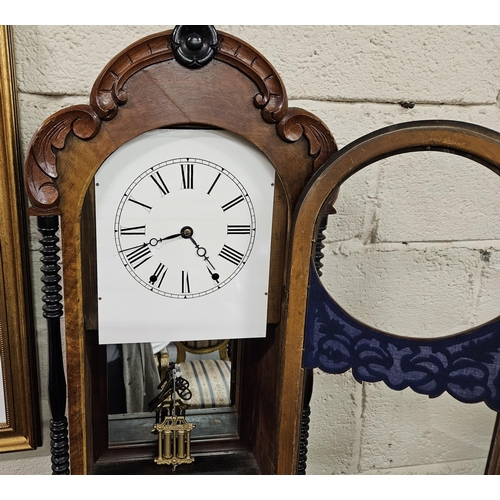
(352, 77)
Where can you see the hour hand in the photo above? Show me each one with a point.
(152, 242)
(171, 237)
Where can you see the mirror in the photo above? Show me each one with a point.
(135, 372)
(413, 247)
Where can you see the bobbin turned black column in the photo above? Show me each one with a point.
(305, 420)
(52, 312)
(308, 373)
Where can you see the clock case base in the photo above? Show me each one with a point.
(145, 88)
(216, 462)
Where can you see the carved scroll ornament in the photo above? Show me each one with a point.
(109, 93)
(40, 170)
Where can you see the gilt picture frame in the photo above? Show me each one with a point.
(19, 405)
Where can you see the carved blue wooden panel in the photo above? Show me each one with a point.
(467, 365)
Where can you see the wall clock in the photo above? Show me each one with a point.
(183, 230)
(177, 81)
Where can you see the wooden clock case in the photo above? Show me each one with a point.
(222, 83)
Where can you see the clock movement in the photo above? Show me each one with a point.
(173, 191)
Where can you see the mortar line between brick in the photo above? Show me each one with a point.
(476, 284)
(390, 246)
(370, 225)
(435, 463)
(355, 460)
(396, 103)
(54, 94)
(312, 99)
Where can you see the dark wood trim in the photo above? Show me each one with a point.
(493, 463)
(227, 458)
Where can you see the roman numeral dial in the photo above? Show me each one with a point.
(187, 171)
(239, 229)
(159, 275)
(232, 203)
(139, 256)
(160, 183)
(136, 230)
(185, 227)
(231, 255)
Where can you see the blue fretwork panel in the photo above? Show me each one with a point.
(467, 365)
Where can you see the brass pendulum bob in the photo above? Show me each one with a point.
(174, 433)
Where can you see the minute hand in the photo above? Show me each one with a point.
(153, 241)
(201, 252)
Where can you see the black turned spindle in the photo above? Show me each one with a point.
(304, 425)
(320, 237)
(308, 373)
(52, 312)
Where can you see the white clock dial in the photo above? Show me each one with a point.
(185, 227)
(184, 220)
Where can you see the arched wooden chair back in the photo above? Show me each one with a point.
(466, 365)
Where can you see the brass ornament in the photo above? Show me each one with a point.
(174, 432)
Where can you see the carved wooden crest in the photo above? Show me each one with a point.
(109, 94)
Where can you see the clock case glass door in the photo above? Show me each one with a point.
(223, 84)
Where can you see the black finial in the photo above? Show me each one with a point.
(194, 46)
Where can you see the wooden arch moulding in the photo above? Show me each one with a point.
(189, 77)
(466, 365)
(146, 68)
